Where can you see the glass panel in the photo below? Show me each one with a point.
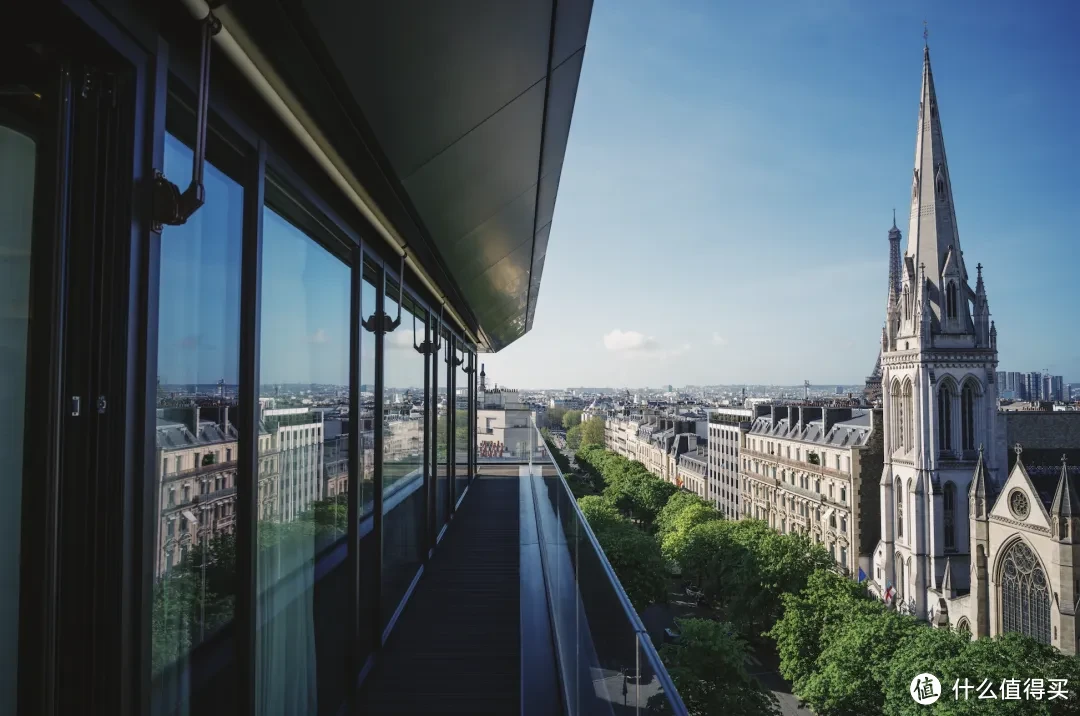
(301, 576)
(442, 427)
(367, 401)
(197, 446)
(608, 661)
(18, 153)
(369, 576)
(461, 426)
(403, 455)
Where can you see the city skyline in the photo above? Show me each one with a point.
(806, 150)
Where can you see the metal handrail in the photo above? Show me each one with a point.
(649, 650)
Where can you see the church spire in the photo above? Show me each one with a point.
(1066, 500)
(932, 232)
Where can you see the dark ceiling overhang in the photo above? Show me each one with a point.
(455, 117)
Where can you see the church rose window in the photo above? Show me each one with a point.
(1018, 504)
(1025, 596)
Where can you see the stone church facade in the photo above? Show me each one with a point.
(973, 536)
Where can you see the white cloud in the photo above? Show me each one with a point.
(400, 340)
(718, 340)
(633, 344)
(319, 336)
(629, 341)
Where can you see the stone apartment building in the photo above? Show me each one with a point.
(197, 461)
(815, 469)
(693, 470)
(655, 440)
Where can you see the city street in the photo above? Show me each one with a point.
(762, 662)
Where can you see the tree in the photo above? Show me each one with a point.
(665, 520)
(724, 570)
(784, 565)
(634, 556)
(708, 665)
(571, 418)
(850, 673)
(650, 496)
(599, 513)
(676, 538)
(592, 432)
(826, 601)
(922, 653)
(553, 418)
(954, 658)
(573, 437)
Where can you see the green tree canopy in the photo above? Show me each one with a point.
(665, 520)
(592, 431)
(553, 418)
(676, 538)
(634, 555)
(599, 513)
(708, 665)
(955, 657)
(571, 418)
(824, 603)
(849, 675)
(573, 437)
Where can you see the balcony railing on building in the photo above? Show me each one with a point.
(605, 656)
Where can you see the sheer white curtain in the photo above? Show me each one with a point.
(285, 643)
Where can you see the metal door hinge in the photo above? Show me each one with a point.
(76, 405)
(101, 404)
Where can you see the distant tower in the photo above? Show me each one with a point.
(221, 388)
(872, 391)
(483, 377)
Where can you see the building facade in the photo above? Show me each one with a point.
(726, 429)
(814, 469)
(655, 440)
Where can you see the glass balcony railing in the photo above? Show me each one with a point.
(606, 660)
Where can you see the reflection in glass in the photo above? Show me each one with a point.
(17, 157)
(303, 470)
(367, 402)
(439, 372)
(194, 592)
(403, 454)
(461, 423)
(370, 624)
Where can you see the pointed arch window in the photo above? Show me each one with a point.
(907, 440)
(967, 417)
(951, 300)
(945, 400)
(1025, 594)
(899, 509)
(949, 503)
(899, 561)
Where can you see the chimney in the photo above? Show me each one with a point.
(188, 415)
(808, 414)
(834, 416)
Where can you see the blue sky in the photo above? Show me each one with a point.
(732, 170)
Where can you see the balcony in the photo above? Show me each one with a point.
(797, 464)
(518, 610)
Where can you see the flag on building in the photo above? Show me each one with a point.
(862, 575)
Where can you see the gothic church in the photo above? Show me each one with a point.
(971, 537)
